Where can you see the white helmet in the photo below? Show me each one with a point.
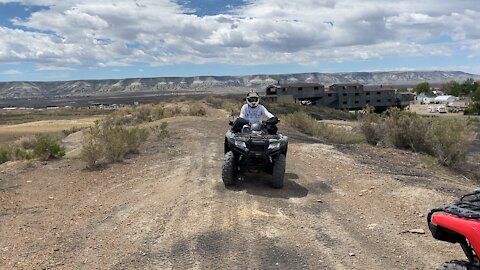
(253, 99)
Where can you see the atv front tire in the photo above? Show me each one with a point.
(228, 169)
(278, 171)
(458, 265)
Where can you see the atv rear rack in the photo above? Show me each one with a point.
(468, 206)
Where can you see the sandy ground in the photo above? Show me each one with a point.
(9, 133)
(342, 207)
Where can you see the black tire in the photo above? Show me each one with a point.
(458, 265)
(278, 171)
(228, 169)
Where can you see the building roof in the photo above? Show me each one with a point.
(346, 84)
(300, 85)
(379, 90)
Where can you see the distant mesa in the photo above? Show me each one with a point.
(82, 88)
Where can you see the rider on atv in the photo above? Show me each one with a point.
(253, 110)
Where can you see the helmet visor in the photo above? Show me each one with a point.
(252, 99)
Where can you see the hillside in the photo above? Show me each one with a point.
(215, 83)
(342, 207)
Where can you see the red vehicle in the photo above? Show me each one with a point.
(459, 222)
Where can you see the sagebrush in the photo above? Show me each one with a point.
(308, 125)
(47, 147)
(444, 138)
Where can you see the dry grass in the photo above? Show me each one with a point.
(11, 133)
(306, 124)
(444, 138)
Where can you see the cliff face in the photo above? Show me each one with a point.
(210, 83)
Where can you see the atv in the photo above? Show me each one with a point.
(459, 222)
(254, 148)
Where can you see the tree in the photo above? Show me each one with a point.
(423, 87)
(476, 94)
(452, 88)
(469, 86)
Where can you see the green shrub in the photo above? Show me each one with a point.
(134, 137)
(338, 135)
(22, 154)
(445, 139)
(5, 154)
(371, 127)
(302, 122)
(46, 147)
(473, 109)
(92, 146)
(110, 143)
(407, 130)
(161, 130)
(114, 144)
(449, 140)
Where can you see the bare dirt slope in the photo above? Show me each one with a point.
(341, 208)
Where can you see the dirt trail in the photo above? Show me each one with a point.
(341, 208)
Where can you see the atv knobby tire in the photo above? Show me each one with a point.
(458, 265)
(228, 169)
(278, 171)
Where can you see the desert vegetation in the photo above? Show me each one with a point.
(444, 138)
(42, 147)
(332, 134)
(120, 133)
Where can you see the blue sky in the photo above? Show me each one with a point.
(42, 40)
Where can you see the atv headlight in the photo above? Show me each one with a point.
(241, 144)
(274, 146)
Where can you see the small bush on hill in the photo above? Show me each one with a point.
(25, 142)
(5, 154)
(449, 140)
(232, 106)
(214, 102)
(92, 146)
(134, 137)
(111, 143)
(172, 111)
(46, 147)
(407, 130)
(71, 130)
(22, 154)
(302, 122)
(161, 130)
(306, 124)
(473, 109)
(445, 139)
(197, 109)
(371, 127)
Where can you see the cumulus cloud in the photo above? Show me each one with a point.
(95, 33)
(10, 72)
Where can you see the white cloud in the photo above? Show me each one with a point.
(10, 72)
(119, 33)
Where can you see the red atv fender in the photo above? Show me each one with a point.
(468, 228)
